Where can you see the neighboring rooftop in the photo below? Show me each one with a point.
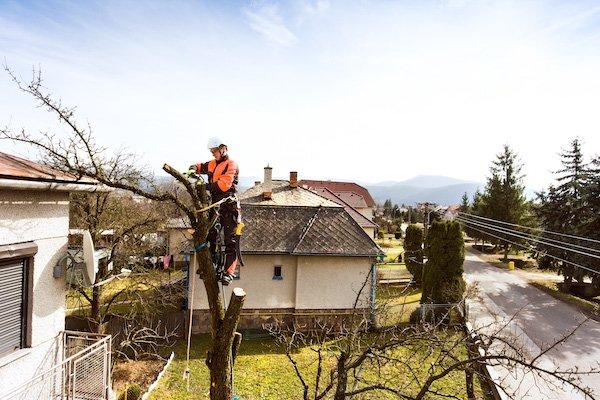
(351, 190)
(17, 172)
(282, 194)
(363, 221)
(304, 231)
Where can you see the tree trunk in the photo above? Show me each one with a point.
(342, 379)
(218, 360)
(95, 325)
(469, 383)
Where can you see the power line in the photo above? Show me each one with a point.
(534, 237)
(534, 229)
(531, 248)
(538, 241)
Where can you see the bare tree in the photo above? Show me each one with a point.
(350, 360)
(79, 154)
(131, 224)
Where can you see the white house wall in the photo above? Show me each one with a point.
(309, 282)
(331, 282)
(256, 278)
(42, 217)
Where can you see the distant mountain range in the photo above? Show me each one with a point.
(442, 190)
(424, 188)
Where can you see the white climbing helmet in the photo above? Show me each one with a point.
(214, 141)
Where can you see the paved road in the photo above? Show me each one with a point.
(540, 319)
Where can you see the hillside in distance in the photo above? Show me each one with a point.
(424, 188)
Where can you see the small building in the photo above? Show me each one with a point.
(305, 259)
(38, 359)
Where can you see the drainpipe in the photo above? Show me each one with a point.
(373, 296)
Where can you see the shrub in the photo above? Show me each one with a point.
(443, 282)
(413, 249)
(133, 392)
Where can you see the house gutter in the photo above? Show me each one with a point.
(51, 186)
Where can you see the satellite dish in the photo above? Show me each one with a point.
(90, 259)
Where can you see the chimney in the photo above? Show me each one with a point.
(268, 183)
(293, 179)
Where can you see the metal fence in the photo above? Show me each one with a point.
(83, 373)
(435, 312)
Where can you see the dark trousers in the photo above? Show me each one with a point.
(228, 218)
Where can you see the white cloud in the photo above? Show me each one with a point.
(267, 21)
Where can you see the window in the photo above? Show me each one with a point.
(16, 285)
(277, 273)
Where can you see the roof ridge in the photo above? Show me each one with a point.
(307, 228)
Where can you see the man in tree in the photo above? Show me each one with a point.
(222, 183)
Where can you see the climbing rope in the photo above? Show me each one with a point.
(186, 371)
(230, 198)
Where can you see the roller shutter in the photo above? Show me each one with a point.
(12, 305)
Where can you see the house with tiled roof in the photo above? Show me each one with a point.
(365, 223)
(305, 258)
(351, 193)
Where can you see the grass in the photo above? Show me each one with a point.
(588, 307)
(396, 302)
(393, 271)
(262, 371)
(391, 247)
(140, 283)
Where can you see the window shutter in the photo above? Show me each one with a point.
(12, 278)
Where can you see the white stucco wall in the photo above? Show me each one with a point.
(309, 282)
(331, 282)
(42, 217)
(256, 278)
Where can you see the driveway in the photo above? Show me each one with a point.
(539, 319)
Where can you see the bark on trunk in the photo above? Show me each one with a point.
(342, 379)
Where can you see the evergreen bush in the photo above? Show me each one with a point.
(413, 249)
(443, 281)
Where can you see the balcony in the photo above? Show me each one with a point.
(83, 373)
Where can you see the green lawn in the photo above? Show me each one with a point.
(138, 283)
(263, 372)
(391, 247)
(396, 303)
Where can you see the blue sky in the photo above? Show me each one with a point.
(363, 90)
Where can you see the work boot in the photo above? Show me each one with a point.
(226, 278)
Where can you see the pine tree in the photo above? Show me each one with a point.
(464, 203)
(413, 252)
(563, 208)
(503, 199)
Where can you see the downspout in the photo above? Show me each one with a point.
(373, 296)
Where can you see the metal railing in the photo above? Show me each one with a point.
(83, 373)
(434, 312)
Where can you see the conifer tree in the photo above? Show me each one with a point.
(413, 250)
(443, 281)
(563, 209)
(503, 199)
